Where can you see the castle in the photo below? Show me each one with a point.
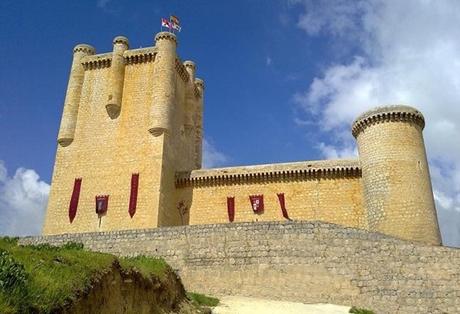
(130, 148)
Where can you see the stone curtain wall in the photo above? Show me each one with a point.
(299, 261)
(335, 200)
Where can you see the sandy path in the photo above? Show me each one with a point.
(243, 305)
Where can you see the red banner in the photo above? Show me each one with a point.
(257, 203)
(283, 205)
(231, 208)
(102, 203)
(74, 199)
(133, 196)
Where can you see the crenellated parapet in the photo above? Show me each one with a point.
(86, 49)
(99, 61)
(166, 36)
(396, 113)
(309, 170)
(141, 55)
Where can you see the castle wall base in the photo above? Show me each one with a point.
(311, 262)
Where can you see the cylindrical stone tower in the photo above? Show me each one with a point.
(72, 98)
(396, 182)
(191, 69)
(117, 76)
(199, 124)
(164, 89)
(190, 105)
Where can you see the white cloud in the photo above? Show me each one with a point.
(211, 156)
(407, 52)
(23, 200)
(333, 152)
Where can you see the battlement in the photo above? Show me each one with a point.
(166, 36)
(121, 40)
(393, 113)
(84, 48)
(99, 61)
(271, 172)
(140, 55)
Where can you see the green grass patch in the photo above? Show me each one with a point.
(42, 278)
(202, 300)
(147, 266)
(356, 310)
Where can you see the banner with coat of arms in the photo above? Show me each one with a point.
(257, 203)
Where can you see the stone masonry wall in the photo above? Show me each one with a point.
(105, 153)
(299, 261)
(397, 190)
(335, 200)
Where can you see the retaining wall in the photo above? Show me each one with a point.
(311, 262)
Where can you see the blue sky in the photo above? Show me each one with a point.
(251, 55)
(284, 80)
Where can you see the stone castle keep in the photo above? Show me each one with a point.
(129, 157)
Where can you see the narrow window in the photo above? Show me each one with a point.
(133, 196)
(74, 199)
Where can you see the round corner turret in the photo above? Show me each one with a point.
(85, 48)
(398, 196)
(190, 67)
(117, 75)
(121, 40)
(199, 83)
(189, 64)
(165, 36)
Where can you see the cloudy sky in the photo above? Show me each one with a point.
(284, 81)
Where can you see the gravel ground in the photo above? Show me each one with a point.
(243, 305)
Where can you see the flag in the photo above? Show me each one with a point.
(165, 23)
(176, 27)
(283, 205)
(257, 203)
(231, 208)
(174, 20)
(101, 204)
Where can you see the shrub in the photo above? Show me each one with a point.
(12, 273)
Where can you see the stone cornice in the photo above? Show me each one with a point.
(396, 113)
(98, 61)
(140, 55)
(308, 170)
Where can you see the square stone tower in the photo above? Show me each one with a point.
(131, 120)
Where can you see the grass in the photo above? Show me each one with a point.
(42, 278)
(202, 300)
(356, 310)
(147, 266)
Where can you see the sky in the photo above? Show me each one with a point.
(284, 81)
